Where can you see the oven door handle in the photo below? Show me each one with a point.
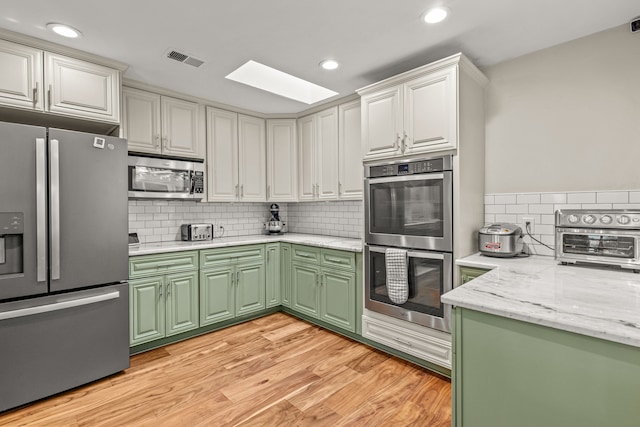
(417, 177)
(414, 254)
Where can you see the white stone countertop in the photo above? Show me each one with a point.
(330, 242)
(602, 302)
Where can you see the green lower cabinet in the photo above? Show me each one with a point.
(250, 288)
(305, 279)
(162, 306)
(273, 286)
(337, 299)
(285, 274)
(217, 295)
(469, 273)
(511, 373)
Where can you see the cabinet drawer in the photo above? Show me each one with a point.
(425, 347)
(140, 266)
(237, 254)
(338, 259)
(305, 253)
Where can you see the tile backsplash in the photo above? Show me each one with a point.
(159, 221)
(540, 209)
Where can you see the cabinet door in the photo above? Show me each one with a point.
(285, 274)
(147, 310)
(222, 155)
(351, 176)
(337, 298)
(382, 123)
(82, 89)
(182, 302)
(273, 275)
(431, 112)
(217, 294)
(250, 288)
(304, 285)
(327, 160)
(252, 156)
(307, 188)
(281, 161)
(141, 120)
(180, 128)
(20, 76)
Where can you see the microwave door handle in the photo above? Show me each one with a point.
(192, 184)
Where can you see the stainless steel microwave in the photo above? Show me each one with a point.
(161, 178)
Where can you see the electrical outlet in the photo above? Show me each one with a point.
(532, 224)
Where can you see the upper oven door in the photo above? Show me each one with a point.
(618, 247)
(413, 211)
(160, 178)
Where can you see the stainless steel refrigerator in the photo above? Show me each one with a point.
(64, 300)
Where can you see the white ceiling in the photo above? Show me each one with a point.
(372, 39)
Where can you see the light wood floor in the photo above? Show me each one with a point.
(273, 371)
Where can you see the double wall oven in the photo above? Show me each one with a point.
(409, 205)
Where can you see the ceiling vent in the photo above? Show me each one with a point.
(184, 58)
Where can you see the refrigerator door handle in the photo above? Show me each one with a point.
(62, 305)
(41, 211)
(54, 168)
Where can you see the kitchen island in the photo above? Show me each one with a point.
(536, 343)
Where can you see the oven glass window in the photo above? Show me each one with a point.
(425, 284)
(413, 208)
(599, 245)
(143, 178)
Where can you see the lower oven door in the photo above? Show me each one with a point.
(429, 276)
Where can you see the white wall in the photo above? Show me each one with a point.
(566, 118)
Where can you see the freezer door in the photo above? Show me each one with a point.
(88, 210)
(23, 210)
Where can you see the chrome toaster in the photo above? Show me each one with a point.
(196, 232)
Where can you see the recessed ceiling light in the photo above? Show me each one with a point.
(275, 81)
(64, 30)
(435, 15)
(329, 64)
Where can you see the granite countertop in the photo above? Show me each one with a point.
(602, 302)
(330, 242)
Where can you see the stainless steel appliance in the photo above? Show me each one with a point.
(500, 240)
(599, 236)
(64, 300)
(275, 224)
(196, 232)
(410, 203)
(161, 178)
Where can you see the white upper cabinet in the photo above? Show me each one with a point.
(350, 176)
(20, 76)
(236, 157)
(36, 80)
(281, 160)
(327, 141)
(163, 125)
(81, 89)
(415, 112)
(307, 154)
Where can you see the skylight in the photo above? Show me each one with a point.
(271, 80)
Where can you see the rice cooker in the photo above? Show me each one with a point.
(500, 240)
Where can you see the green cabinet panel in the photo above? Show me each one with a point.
(513, 373)
(338, 259)
(285, 274)
(273, 286)
(302, 253)
(236, 254)
(217, 295)
(147, 310)
(182, 302)
(469, 273)
(250, 288)
(147, 265)
(304, 285)
(337, 293)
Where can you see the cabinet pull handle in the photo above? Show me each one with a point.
(405, 343)
(161, 289)
(157, 141)
(404, 142)
(236, 190)
(339, 188)
(165, 141)
(336, 260)
(242, 191)
(397, 143)
(35, 95)
(168, 290)
(237, 278)
(49, 98)
(303, 255)
(321, 280)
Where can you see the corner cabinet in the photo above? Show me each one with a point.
(467, 274)
(162, 125)
(35, 80)
(236, 157)
(416, 112)
(164, 295)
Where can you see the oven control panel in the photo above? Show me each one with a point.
(437, 164)
(599, 218)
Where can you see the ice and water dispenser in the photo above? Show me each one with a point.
(11, 247)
